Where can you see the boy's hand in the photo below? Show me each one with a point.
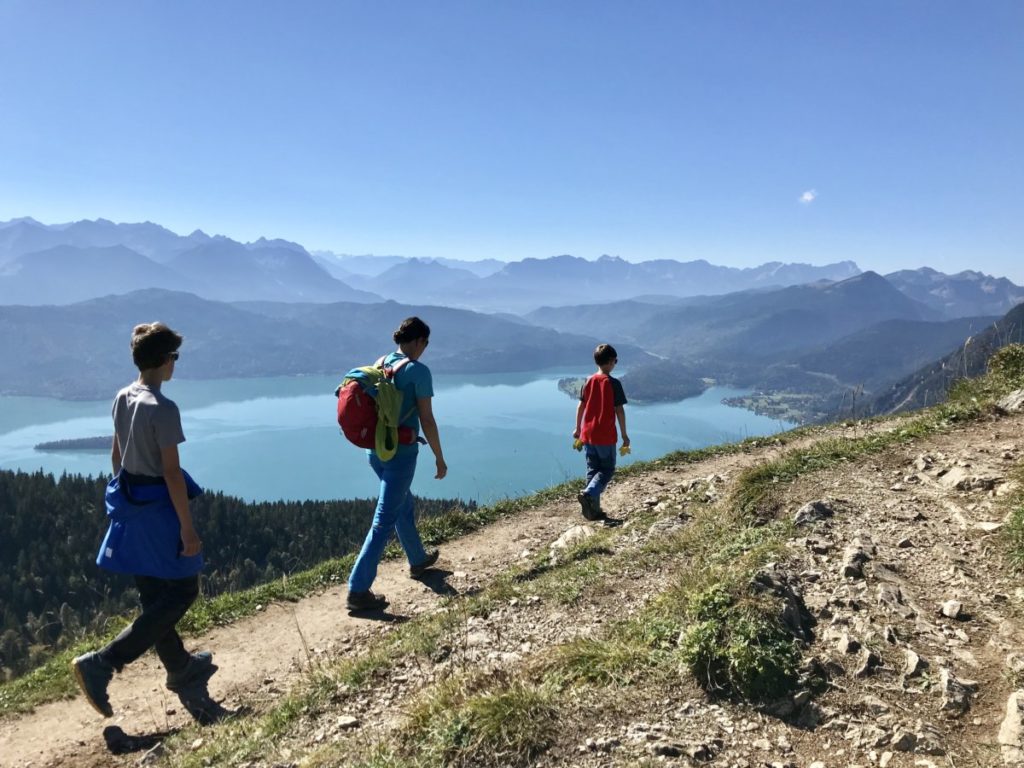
(625, 441)
(442, 470)
(190, 541)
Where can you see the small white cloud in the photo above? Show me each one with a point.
(808, 197)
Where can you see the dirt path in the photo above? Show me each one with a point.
(262, 656)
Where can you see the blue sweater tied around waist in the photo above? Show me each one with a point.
(144, 536)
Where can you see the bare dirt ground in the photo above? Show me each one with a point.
(912, 530)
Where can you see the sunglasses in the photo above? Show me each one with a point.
(173, 356)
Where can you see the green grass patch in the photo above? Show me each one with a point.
(481, 721)
(613, 661)
(737, 645)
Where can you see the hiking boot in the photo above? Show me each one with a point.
(197, 672)
(610, 522)
(587, 506)
(416, 571)
(93, 674)
(365, 601)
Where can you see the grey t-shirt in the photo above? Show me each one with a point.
(144, 423)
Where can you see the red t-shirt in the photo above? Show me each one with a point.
(600, 395)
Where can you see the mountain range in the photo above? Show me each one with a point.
(66, 263)
(821, 340)
(780, 329)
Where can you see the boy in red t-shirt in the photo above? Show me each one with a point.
(601, 405)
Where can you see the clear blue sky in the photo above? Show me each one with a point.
(529, 128)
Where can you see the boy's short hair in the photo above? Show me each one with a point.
(152, 344)
(604, 354)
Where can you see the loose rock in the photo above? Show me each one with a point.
(952, 609)
(813, 512)
(956, 694)
(1011, 732)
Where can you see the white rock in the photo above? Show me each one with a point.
(575, 535)
(1013, 401)
(914, 663)
(951, 609)
(1011, 732)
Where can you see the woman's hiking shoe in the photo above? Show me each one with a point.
(416, 571)
(365, 601)
(93, 674)
(590, 509)
(197, 672)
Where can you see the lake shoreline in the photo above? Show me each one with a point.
(277, 439)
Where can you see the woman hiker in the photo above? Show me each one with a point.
(395, 506)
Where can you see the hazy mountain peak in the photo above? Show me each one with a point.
(25, 220)
(276, 243)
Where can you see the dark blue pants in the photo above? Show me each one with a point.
(164, 603)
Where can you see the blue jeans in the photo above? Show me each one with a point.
(394, 513)
(600, 468)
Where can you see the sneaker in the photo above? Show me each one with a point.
(93, 674)
(197, 672)
(416, 571)
(365, 601)
(587, 506)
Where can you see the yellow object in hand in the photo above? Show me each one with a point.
(624, 451)
(577, 444)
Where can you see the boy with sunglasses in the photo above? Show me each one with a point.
(151, 534)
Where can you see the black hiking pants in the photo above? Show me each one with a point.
(164, 602)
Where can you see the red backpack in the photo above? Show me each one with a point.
(357, 407)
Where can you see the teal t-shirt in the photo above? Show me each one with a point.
(413, 381)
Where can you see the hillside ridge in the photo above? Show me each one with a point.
(911, 529)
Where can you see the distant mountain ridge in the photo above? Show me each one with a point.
(526, 285)
(80, 351)
(964, 294)
(750, 325)
(67, 263)
(930, 384)
(77, 261)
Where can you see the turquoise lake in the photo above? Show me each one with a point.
(265, 439)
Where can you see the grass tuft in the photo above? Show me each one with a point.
(738, 646)
(483, 721)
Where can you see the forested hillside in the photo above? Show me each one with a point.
(51, 591)
(930, 384)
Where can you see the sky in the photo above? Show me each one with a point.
(886, 132)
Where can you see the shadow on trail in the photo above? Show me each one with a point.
(204, 709)
(436, 580)
(121, 743)
(196, 701)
